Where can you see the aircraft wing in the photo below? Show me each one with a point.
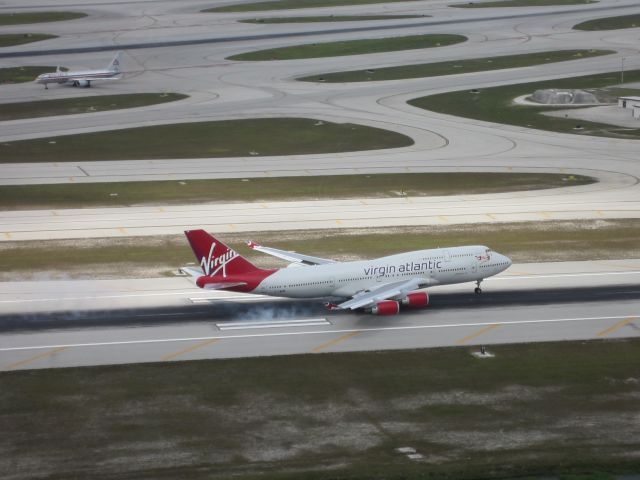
(292, 257)
(386, 291)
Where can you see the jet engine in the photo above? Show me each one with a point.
(83, 83)
(386, 307)
(416, 299)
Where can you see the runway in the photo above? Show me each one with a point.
(535, 302)
(298, 34)
(335, 214)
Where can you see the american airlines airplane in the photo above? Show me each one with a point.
(83, 78)
(378, 286)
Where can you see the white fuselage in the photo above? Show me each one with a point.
(440, 266)
(85, 75)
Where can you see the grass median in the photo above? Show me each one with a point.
(610, 23)
(38, 17)
(21, 197)
(455, 67)
(70, 106)
(522, 3)
(23, 74)
(226, 138)
(351, 47)
(144, 257)
(13, 39)
(330, 18)
(291, 4)
(496, 105)
(558, 410)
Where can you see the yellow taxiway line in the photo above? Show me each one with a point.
(35, 357)
(335, 341)
(617, 326)
(477, 334)
(171, 356)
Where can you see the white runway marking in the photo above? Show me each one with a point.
(311, 322)
(320, 332)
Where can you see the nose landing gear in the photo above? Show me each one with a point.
(478, 290)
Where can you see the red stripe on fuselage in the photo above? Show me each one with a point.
(251, 280)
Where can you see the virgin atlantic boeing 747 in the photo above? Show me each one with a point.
(379, 286)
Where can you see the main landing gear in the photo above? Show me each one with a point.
(478, 290)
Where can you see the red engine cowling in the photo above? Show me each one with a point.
(386, 307)
(416, 299)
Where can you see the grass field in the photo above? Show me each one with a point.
(610, 23)
(330, 18)
(23, 74)
(37, 17)
(522, 3)
(228, 138)
(69, 106)
(454, 67)
(496, 105)
(351, 47)
(18, 197)
(290, 4)
(542, 410)
(12, 39)
(155, 256)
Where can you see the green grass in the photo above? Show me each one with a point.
(228, 138)
(352, 47)
(522, 3)
(69, 106)
(455, 67)
(610, 23)
(79, 195)
(534, 411)
(330, 18)
(12, 39)
(291, 4)
(138, 256)
(495, 105)
(23, 74)
(38, 17)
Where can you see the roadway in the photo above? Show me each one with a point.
(109, 322)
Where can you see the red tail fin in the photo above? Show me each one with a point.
(215, 257)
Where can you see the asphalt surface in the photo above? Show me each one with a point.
(222, 89)
(166, 320)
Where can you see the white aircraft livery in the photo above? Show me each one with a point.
(379, 286)
(83, 78)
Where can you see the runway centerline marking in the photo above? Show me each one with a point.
(482, 331)
(336, 341)
(315, 332)
(311, 322)
(36, 357)
(616, 327)
(171, 356)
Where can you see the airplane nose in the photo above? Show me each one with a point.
(507, 261)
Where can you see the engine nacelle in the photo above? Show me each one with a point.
(84, 83)
(386, 307)
(416, 300)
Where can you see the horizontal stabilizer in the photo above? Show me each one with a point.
(222, 285)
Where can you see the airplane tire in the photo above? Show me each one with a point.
(478, 290)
